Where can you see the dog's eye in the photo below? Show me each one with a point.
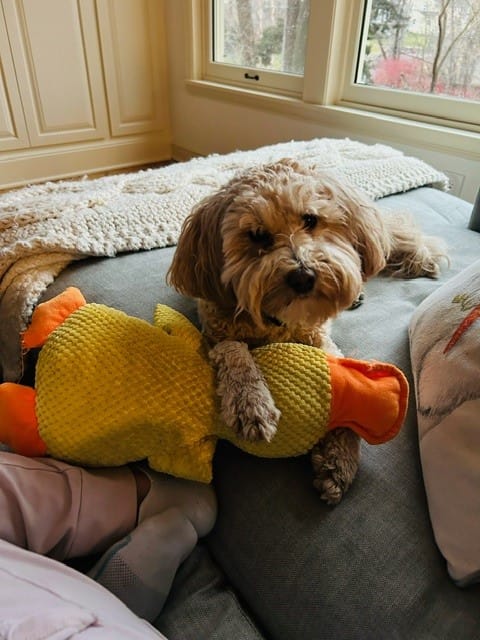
(309, 221)
(261, 237)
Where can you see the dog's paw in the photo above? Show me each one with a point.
(335, 463)
(257, 422)
(247, 406)
(357, 302)
(251, 413)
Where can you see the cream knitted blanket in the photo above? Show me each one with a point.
(44, 227)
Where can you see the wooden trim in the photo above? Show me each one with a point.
(67, 161)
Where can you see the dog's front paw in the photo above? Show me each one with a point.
(257, 422)
(247, 406)
(335, 463)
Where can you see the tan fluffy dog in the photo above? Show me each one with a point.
(272, 257)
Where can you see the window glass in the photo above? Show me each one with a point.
(413, 59)
(422, 46)
(261, 34)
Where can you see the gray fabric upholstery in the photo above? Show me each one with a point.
(216, 616)
(366, 569)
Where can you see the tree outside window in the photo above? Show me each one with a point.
(263, 34)
(426, 46)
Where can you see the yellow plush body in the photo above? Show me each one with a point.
(112, 389)
(130, 390)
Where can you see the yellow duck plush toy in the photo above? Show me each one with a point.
(112, 389)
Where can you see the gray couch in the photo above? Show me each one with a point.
(279, 563)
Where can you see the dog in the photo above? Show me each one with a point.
(274, 256)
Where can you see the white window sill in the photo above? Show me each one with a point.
(393, 128)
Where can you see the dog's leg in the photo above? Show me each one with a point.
(336, 457)
(246, 403)
(412, 254)
(335, 462)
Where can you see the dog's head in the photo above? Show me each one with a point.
(283, 242)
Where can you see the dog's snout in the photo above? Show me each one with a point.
(301, 280)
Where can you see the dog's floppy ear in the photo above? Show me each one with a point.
(367, 231)
(371, 239)
(198, 260)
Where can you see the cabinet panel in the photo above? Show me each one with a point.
(133, 50)
(13, 132)
(58, 66)
(63, 64)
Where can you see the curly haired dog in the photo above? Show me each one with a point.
(273, 256)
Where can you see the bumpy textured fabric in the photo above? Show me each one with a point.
(112, 389)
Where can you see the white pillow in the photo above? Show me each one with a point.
(445, 354)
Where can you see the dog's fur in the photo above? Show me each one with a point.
(273, 256)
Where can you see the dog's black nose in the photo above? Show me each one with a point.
(301, 280)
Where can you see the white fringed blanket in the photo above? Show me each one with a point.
(45, 227)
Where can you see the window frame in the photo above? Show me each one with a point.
(258, 79)
(438, 109)
(322, 100)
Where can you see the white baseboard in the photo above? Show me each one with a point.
(18, 168)
(180, 154)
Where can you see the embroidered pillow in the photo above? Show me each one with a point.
(445, 354)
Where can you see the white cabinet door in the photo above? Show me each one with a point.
(131, 33)
(58, 66)
(13, 132)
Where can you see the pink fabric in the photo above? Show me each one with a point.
(43, 599)
(62, 511)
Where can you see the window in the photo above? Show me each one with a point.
(259, 43)
(426, 47)
(413, 59)
(418, 56)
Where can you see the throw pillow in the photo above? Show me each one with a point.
(445, 354)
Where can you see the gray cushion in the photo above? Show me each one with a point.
(203, 606)
(366, 569)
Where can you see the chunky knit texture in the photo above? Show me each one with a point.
(44, 227)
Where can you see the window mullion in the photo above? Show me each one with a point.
(326, 47)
